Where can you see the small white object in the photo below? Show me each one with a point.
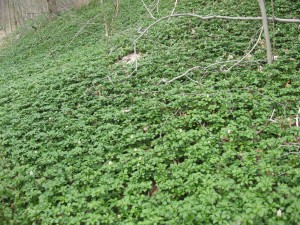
(297, 118)
(279, 213)
(31, 173)
(110, 163)
(230, 57)
(126, 110)
(131, 58)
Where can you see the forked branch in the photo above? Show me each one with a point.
(207, 18)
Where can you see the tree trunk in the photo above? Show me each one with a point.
(11, 16)
(52, 7)
(266, 30)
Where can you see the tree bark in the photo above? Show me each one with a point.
(10, 15)
(52, 7)
(266, 30)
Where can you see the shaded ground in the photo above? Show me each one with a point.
(2, 35)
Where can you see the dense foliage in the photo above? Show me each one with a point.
(81, 141)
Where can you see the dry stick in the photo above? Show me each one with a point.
(193, 80)
(182, 75)
(175, 5)
(109, 78)
(251, 50)
(76, 35)
(153, 6)
(205, 18)
(271, 117)
(297, 118)
(117, 6)
(294, 153)
(197, 67)
(148, 10)
(252, 39)
(290, 144)
(157, 6)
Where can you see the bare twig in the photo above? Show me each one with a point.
(297, 118)
(180, 76)
(148, 10)
(109, 78)
(175, 5)
(251, 50)
(117, 7)
(131, 74)
(157, 6)
(271, 117)
(292, 153)
(195, 68)
(291, 144)
(81, 29)
(252, 39)
(193, 80)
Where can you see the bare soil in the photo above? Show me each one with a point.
(2, 34)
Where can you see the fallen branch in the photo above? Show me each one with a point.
(251, 50)
(157, 6)
(173, 11)
(81, 29)
(148, 10)
(271, 117)
(292, 153)
(195, 68)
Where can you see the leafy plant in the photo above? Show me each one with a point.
(82, 141)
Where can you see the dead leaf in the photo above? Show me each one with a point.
(126, 110)
(131, 58)
(154, 189)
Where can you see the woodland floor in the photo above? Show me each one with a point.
(86, 140)
(2, 34)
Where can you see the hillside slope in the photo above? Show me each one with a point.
(84, 140)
